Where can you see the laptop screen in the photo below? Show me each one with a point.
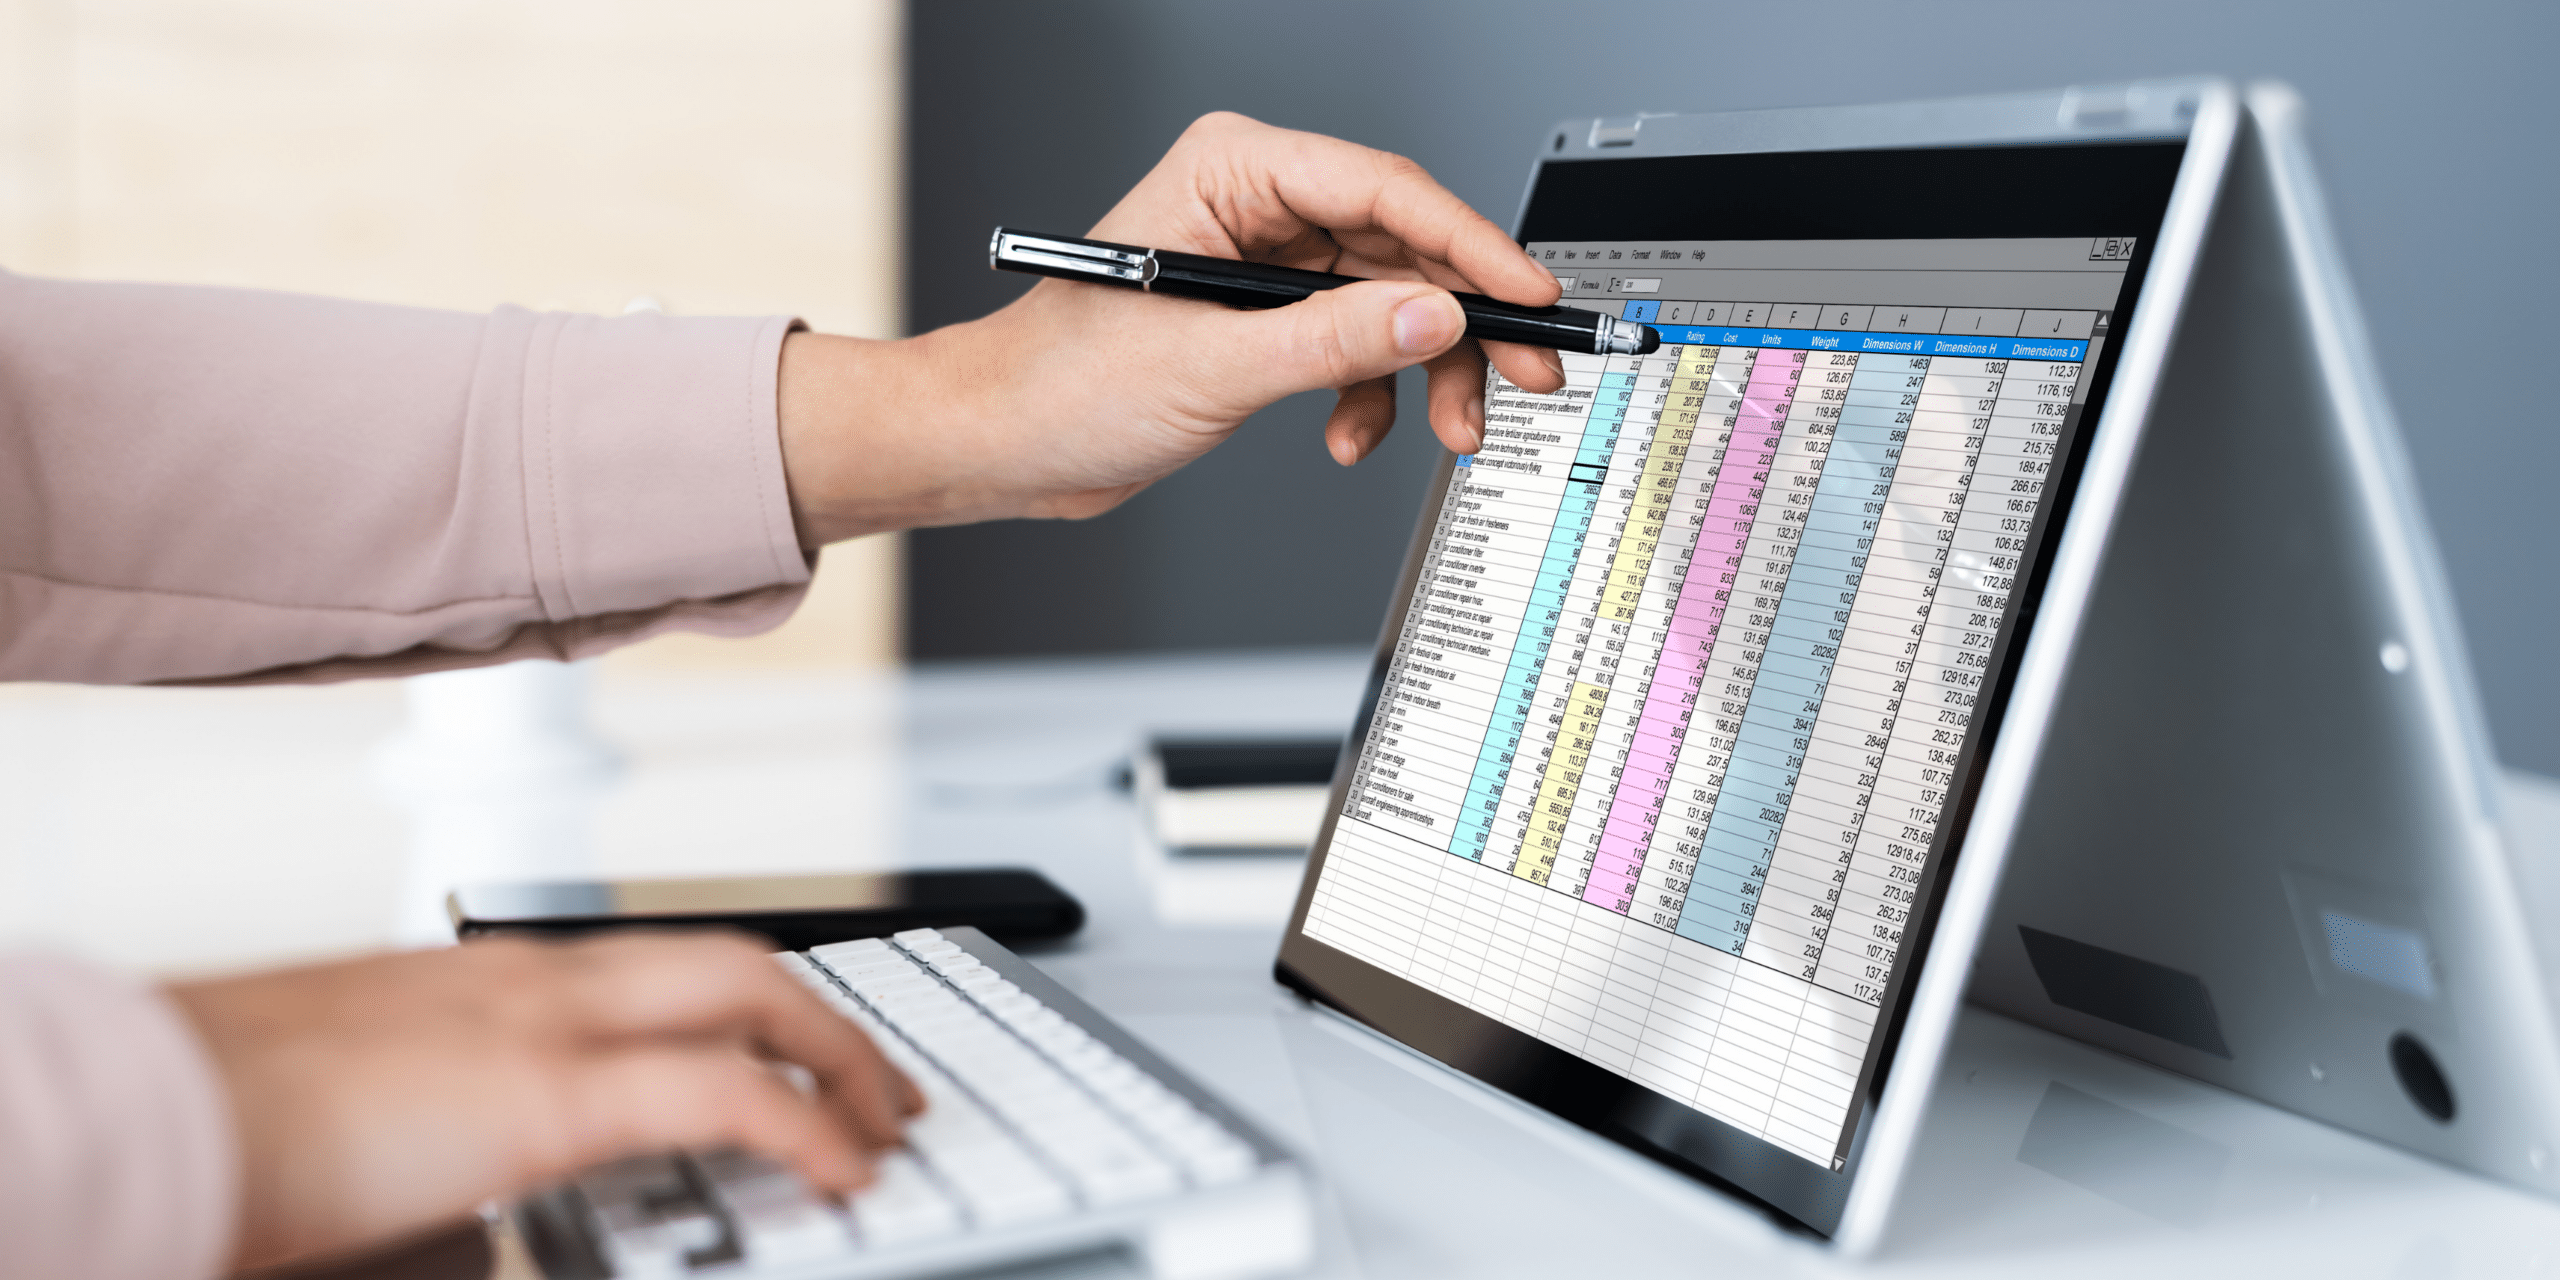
(1677, 719)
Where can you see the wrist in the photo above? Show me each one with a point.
(872, 432)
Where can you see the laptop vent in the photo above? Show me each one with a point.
(2150, 998)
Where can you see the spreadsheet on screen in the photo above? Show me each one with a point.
(1670, 722)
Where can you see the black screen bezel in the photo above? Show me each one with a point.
(2094, 189)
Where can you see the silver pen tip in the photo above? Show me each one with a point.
(1627, 338)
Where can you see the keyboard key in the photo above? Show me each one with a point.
(835, 952)
(1014, 1204)
(1110, 1169)
(904, 1206)
(778, 1219)
(861, 951)
(883, 970)
(648, 1215)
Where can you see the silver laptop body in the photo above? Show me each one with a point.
(2263, 844)
(2239, 819)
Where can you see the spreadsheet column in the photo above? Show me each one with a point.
(2010, 450)
(1536, 438)
(1595, 1003)
(1564, 716)
(1424, 734)
(1758, 762)
(1761, 1066)
(1904, 569)
(1615, 561)
(1678, 481)
(1531, 445)
(1712, 496)
(1861, 711)
(1557, 989)
(1526, 940)
(1411, 767)
(1629, 636)
(1832, 727)
(1717, 1021)
(1717, 499)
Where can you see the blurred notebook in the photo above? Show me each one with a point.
(1225, 824)
(1211, 796)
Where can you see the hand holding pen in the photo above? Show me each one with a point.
(1072, 398)
(1237, 190)
(1253, 286)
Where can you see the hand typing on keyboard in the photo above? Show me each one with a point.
(381, 1096)
(1049, 1131)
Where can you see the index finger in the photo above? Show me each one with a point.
(710, 985)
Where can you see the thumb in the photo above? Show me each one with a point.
(1333, 339)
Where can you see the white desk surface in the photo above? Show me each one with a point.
(135, 808)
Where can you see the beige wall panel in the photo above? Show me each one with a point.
(721, 159)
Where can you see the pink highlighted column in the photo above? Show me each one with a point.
(1695, 619)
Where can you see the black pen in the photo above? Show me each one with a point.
(1251, 285)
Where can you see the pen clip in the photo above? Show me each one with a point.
(1047, 254)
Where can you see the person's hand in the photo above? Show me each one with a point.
(374, 1098)
(1078, 395)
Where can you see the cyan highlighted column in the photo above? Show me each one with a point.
(1561, 782)
(1538, 625)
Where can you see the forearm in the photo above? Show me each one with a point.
(211, 484)
(1066, 402)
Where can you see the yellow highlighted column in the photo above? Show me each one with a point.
(1619, 594)
(1655, 484)
(1561, 782)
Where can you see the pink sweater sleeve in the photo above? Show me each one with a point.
(217, 485)
(213, 484)
(116, 1150)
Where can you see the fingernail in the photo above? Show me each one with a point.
(1427, 323)
(1475, 417)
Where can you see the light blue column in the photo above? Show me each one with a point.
(1547, 593)
(1812, 622)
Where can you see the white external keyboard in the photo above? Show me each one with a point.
(1047, 1131)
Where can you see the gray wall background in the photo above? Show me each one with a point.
(2434, 122)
